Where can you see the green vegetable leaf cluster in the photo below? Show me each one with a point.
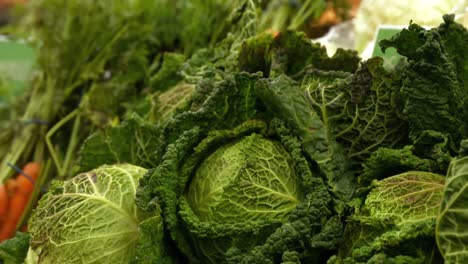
(211, 140)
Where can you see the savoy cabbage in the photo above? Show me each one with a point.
(262, 149)
(93, 218)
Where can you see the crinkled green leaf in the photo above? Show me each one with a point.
(153, 245)
(168, 74)
(386, 162)
(14, 250)
(215, 104)
(397, 219)
(408, 197)
(133, 141)
(284, 98)
(91, 218)
(435, 86)
(361, 111)
(289, 53)
(451, 233)
(167, 104)
(436, 146)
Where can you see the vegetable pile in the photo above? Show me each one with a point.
(235, 139)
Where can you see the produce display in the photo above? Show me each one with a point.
(219, 132)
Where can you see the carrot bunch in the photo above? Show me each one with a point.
(14, 196)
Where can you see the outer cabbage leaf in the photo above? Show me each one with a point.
(153, 245)
(386, 162)
(91, 218)
(396, 220)
(133, 141)
(169, 103)
(405, 198)
(215, 104)
(284, 98)
(436, 146)
(360, 111)
(451, 233)
(435, 87)
(289, 53)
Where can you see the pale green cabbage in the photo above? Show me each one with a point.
(250, 183)
(252, 179)
(91, 218)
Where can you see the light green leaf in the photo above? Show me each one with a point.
(252, 179)
(91, 218)
(452, 224)
(405, 198)
(398, 220)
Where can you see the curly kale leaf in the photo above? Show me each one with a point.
(451, 235)
(435, 87)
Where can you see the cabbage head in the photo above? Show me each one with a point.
(251, 179)
(91, 218)
(241, 195)
(249, 182)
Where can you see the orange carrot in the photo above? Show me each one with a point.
(16, 207)
(11, 186)
(7, 230)
(3, 201)
(26, 185)
(14, 196)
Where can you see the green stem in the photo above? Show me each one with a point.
(71, 146)
(49, 135)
